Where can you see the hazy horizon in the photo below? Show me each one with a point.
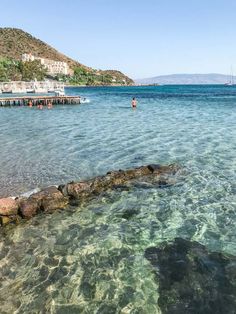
(173, 74)
(140, 39)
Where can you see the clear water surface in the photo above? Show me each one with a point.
(90, 259)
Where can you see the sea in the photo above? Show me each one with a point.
(90, 258)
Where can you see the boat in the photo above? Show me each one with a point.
(30, 90)
(231, 78)
(59, 92)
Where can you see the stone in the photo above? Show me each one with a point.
(63, 189)
(163, 183)
(8, 206)
(73, 193)
(49, 199)
(193, 280)
(85, 189)
(78, 189)
(28, 207)
(5, 220)
(154, 167)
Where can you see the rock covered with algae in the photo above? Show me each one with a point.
(193, 280)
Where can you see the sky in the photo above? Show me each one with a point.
(142, 38)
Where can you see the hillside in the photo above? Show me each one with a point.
(212, 78)
(14, 42)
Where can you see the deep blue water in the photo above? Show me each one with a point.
(193, 126)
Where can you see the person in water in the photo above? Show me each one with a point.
(49, 105)
(40, 106)
(134, 103)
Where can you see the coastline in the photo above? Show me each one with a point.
(110, 85)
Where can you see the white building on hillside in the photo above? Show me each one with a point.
(53, 67)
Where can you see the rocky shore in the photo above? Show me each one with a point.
(13, 210)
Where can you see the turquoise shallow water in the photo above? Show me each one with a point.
(91, 259)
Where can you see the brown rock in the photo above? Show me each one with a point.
(28, 207)
(53, 198)
(81, 190)
(154, 167)
(5, 220)
(8, 206)
(49, 199)
(170, 169)
(63, 189)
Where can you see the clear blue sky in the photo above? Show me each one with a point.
(142, 38)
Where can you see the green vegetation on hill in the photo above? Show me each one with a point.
(14, 42)
(83, 77)
(11, 70)
(14, 70)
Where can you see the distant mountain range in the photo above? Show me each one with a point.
(211, 78)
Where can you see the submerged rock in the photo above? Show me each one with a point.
(8, 206)
(154, 167)
(129, 213)
(5, 220)
(85, 189)
(193, 280)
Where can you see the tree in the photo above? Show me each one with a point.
(32, 70)
(9, 70)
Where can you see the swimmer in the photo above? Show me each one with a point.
(134, 103)
(30, 104)
(49, 105)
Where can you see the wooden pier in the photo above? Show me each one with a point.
(38, 100)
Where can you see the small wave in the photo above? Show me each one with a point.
(85, 101)
(27, 194)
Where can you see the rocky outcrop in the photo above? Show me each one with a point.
(52, 198)
(192, 279)
(152, 173)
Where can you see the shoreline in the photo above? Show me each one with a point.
(150, 85)
(110, 85)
